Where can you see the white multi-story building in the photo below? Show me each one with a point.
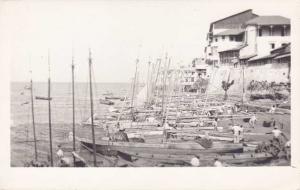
(264, 34)
(226, 34)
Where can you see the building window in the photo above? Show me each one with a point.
(231, 38)
(282, 31)
(272, 45)
(260, 32)
(216, 39)
(223, 38)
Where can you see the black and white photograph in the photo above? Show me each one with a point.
(149, 84)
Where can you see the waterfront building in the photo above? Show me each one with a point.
(226, 35)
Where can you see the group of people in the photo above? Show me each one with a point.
(195, 162)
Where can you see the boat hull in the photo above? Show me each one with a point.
(115, 148)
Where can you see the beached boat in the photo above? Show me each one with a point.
(207, 159)
(106, 102)
(114, 98)
(110, 148)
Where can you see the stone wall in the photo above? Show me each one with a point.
(269, 72)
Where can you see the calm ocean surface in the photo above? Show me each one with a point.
(22, 150)
(61, 104)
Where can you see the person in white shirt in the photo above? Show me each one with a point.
(252, 121)
(60, 152)
(277, 134)
(237, 133)
(272, 109)
(195, 162)
(218, 163)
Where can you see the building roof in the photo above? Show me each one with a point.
(247, 56)
(248, 10)
(269, 20)
(230, 32)
(232, 48)
(256, 58)
(282, 49)
(231, 16)
(283, 56)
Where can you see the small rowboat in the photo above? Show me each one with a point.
(110, 148)
(42, 98)
(106, 102)
(114, 98)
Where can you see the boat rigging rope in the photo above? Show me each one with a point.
(206, 91)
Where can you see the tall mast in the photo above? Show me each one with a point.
(92, 109)
(49, 111)
(243, 85)
(33, 122)
(134, 83)
(163, 86)
(148, 81)
(73, 105)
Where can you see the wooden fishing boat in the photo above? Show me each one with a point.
(106, 102)
(110, 148)
(206, 159)
(114, 98)
(42, 98)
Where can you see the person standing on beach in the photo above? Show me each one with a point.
(60, 152)
(218, 163)
(237, 133)
(277, 135)
(215, 124)
(252, 121)
(272, 109)
(195, 162)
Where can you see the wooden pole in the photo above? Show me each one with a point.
(243, 86)
(49, 112)
(33, 121)
(92, 109)
(163, 86)
(73, 109)
(148, 81)
(134, 83)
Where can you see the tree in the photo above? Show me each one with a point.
(226, 86)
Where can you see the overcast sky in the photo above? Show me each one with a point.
(117, 32)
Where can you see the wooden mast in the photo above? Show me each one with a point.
(49, 111)
(243, 96)
(134, 83)
(73, 107)
(92, 109)
(163, 87)
(148, 82)
(33, 121)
